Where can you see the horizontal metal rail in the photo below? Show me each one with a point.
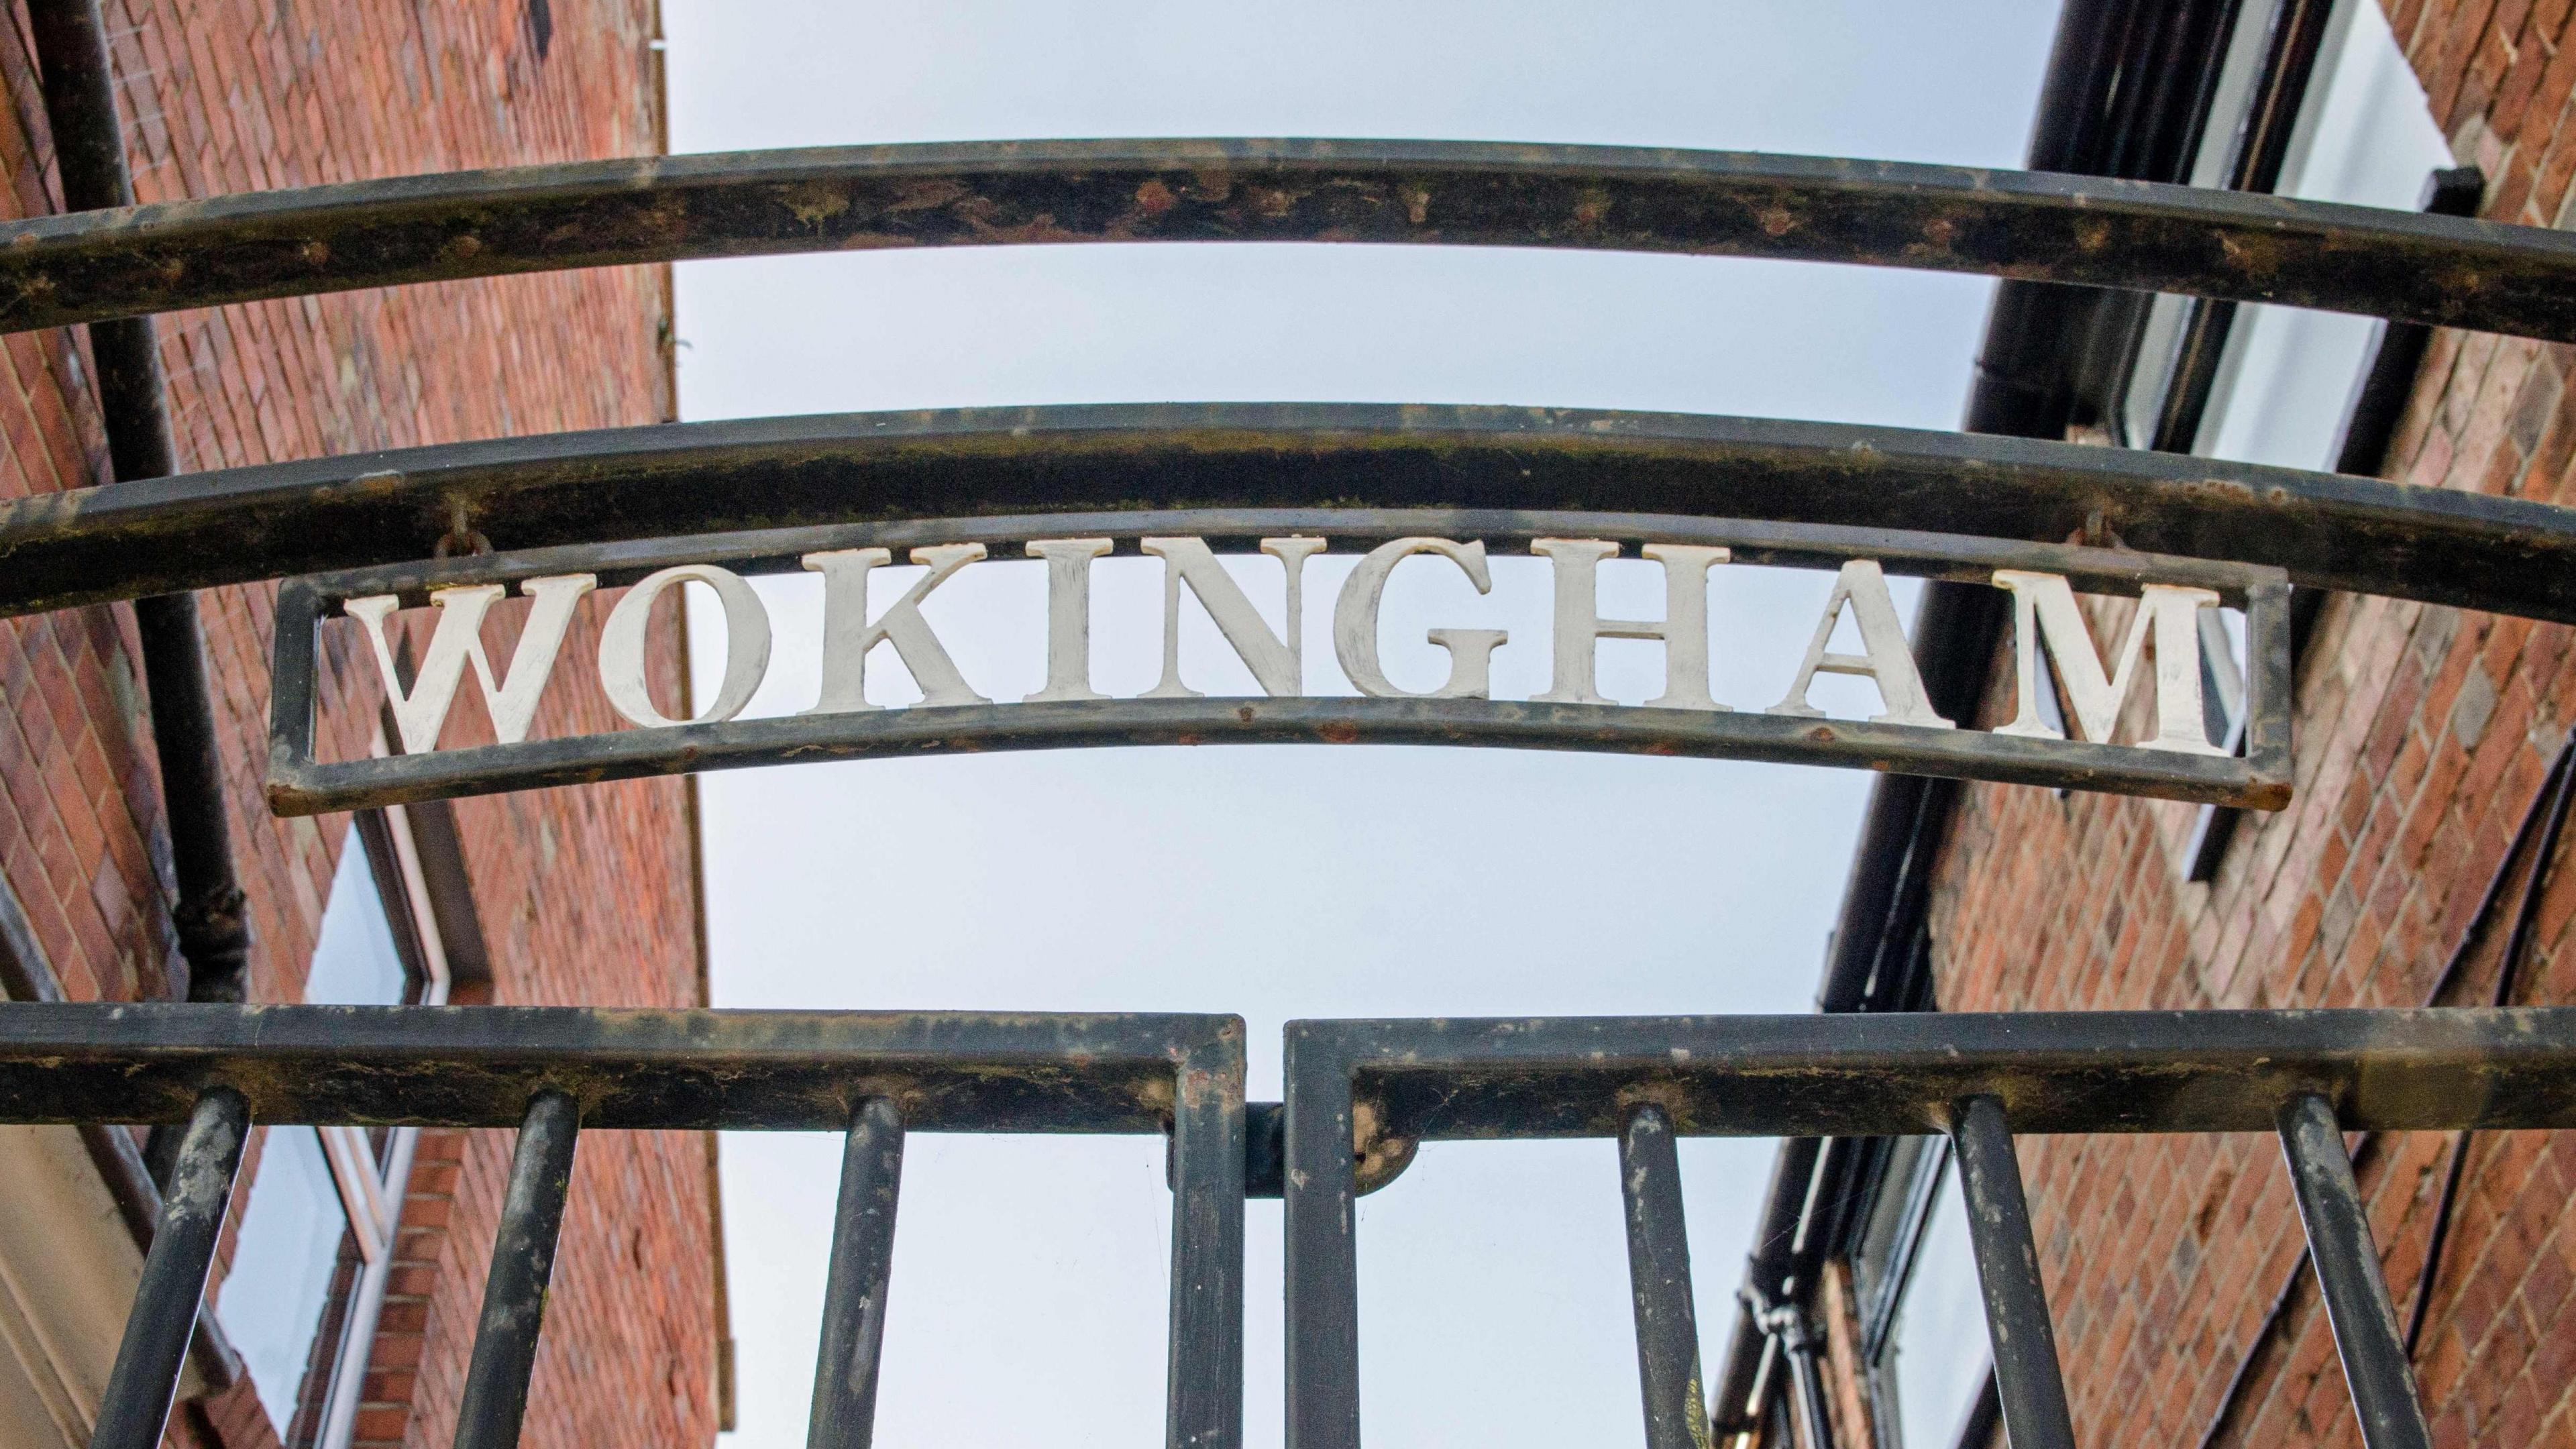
(238, 525)
(1805, 1076)
(296, 788)
(2250, 248)
(1894, 1074)
(479, 1066)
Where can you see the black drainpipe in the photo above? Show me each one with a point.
(89, 150)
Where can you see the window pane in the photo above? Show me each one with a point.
(355, 962)
(272, 1300)
(1939, 1341)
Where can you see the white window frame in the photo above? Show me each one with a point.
(373, 1194)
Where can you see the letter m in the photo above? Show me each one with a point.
(2044, 608)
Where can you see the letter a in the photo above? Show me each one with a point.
(1889, 663)
(458, 640)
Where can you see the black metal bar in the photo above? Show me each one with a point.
(2037, 226)
(523, 1261)
(1205, 1393)
(478, 1066)
(2029, 1384)
(1824, 1076)
(1322, 1270)
(80, 103)
(136, 1403)
(2347, 1264)
(854, 1292)
(1659, 1283)
(238, 525)
(297, 788)
(1894, 1074)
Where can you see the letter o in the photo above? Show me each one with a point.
(621, 645)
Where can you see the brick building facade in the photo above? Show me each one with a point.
(2418, 855)
(568, 896)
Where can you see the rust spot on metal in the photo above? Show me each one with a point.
(1777, 221)
(1154, 198)
(1338, 732)
(818, 205)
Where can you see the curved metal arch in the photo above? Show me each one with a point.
(240, 525)
(87, 266)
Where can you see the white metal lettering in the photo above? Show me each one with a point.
(1575, 565)
(1888, 661)
(457, 640)
(2044, 609)
(621, 645)
(848, 636)
(1068, 562)
(1276, 663)
(1471, 651)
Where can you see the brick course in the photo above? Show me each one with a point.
(585, 895)
(2424, 734)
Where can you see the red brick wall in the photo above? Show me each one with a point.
(2423, 734)
(585, 895)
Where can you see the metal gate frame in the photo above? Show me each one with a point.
(1359, 1093)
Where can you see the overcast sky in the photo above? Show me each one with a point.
(1028, 1297)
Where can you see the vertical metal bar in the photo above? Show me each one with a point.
(1322, 1253)
(1204, 1409)
(1659, 1281)
(2347, 1264)
(2028, 1380)
(854, 1295)
(523, 1259)
(294, 618)
(2269, 671)
(139, 1389)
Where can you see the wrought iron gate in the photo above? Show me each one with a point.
(1359, 1094)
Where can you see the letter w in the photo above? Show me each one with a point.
(421, 713)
